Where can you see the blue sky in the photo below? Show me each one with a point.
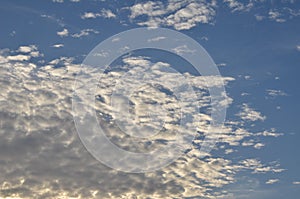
(255, 44)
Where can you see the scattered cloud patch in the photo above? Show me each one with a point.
(274, 93)
(250, 114)
(58, 45)
(182, 15)
(63, 33)
(236, 5)
(36, 113)
(85, 32)
(105, 13)
(222, 64)
(272, 181)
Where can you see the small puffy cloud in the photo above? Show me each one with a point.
(89, 15)
(250, 114)
(235, 5)
(63, 33)
(18, 58)
(27, 49)
(58, 1)
(275, 16)
(57, 46)
(298, 47)
(85, 32)
(259, 145)
(296, 182)
(105, 13)
(272, 181)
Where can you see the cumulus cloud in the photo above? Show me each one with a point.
(63, 33)
(250, 114)
(105, 13)
(42, 156)
(236, 5)
(27, 49)
(182, 15)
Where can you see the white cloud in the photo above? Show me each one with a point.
(38, 136)
(298, 47)
(105, 13)
(250, 114)
(156, 39)
(85, 32)
(296, 182)
(275, 93)
(58, 1)
(58, 45)
(238, 6)
(276, 16)
(89, 15)
(272, 181)
(18, 58)
(259, 145)
(271, 133)
(63, 33)
(27, 49)
(182, 15)
(222, 64)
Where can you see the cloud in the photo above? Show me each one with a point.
(298, 47)
(272, 181)
(27, 49)
(222, 64)
(296, 182)
(275, 16)
(250, 114)
(182, 15)
(63, 33)
(85, 32)
(57, 45)
(274, 93)
(18, 58)
(42, 156)
(105, 13)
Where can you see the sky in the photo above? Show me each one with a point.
(45, 51)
